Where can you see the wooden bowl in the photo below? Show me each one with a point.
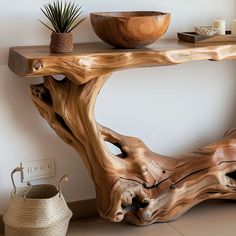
(130, 29)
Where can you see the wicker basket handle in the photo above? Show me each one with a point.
(64, 178)
(30, 187)
(17, 169)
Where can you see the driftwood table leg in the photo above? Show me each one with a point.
(142, 186)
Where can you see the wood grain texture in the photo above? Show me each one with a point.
(141, 186)
(90, 60)
(130, 29)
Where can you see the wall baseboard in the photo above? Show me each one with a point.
(81, 209)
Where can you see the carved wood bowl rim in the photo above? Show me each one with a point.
(130, 14)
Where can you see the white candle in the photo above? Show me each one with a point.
(233, 27)
(220, 25)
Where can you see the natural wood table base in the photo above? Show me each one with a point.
(141, 186)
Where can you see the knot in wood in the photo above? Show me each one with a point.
(37, 65)
(146, 200)
(147, 215)
(144, 170)
(172, 186)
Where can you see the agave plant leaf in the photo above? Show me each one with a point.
(71, 20)
(77, 24)
(62, 15)
(54, 19)
(74, 14)
(50, 17)
(65, 14)
(71, 17)
(68, 12)
(47, 26)
(58, 7)
(54, 14)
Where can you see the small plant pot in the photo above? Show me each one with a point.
(61, 42)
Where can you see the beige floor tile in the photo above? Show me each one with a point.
(212, 218)
(98, 226)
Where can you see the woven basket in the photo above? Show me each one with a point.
(38, 210)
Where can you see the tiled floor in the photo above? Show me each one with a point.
(216, 218)
(213, 218)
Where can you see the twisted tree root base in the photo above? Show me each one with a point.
(141, 186)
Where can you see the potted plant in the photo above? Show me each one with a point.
(63, 17)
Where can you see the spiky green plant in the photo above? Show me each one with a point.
(62, 15)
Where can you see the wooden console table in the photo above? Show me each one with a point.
(142, 186)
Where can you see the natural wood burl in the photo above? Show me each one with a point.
(142, 186)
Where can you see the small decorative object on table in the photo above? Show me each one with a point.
(130, 29)
(192, 37)
(205, 30)
(38, 210)
(233, 27)
(63, 16)
(210, 34)
(220, 26)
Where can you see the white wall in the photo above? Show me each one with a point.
(173, 109)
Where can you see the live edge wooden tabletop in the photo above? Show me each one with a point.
(92, 59)
(139, 185)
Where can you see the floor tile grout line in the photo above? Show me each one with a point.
(175, 229)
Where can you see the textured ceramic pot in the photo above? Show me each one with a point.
(61, 43)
